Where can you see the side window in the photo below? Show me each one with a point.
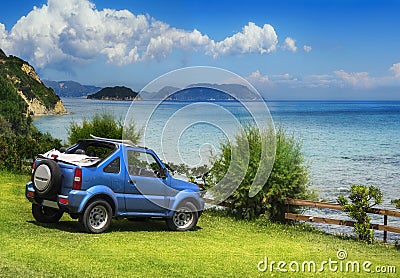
(113, 167)
(142, 164)
(98, 151)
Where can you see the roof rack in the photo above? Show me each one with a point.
(126, 142)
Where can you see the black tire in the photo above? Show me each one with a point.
(47, 178)
(185, 217)
(96, 217)
(46, 214)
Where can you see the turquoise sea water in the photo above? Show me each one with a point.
(344, 142)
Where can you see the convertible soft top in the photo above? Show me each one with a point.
(75, 159)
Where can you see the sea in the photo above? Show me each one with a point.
(344, 142)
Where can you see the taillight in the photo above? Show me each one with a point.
(30, 194)
(77, 185)
(33, 169)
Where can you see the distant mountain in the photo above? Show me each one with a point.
(115, 93)
(71, 88)
(205, 92)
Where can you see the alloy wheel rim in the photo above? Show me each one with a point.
(183, 218)
(98, 217)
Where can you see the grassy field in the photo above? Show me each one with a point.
(219, 247)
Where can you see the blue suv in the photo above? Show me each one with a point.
(99, 179)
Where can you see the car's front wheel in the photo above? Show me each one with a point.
(97, 217)
(184, 218)
(46, 214)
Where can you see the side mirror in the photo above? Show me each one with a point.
(164, 173)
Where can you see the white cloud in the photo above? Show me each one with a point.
(119, 55)
(290, 44)
(75, 31)
(3, 32)
(307, 48)
(339, 79)
(252, 39)
(355, 79)
(396, 69)
(159, 47)
(258, 77)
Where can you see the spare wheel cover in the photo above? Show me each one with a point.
(42, 177)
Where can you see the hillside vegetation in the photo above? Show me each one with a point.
(22, 95)
(20, 79)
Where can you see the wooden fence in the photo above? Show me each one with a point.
(304, 203)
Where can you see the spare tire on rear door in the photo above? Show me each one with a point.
(47, 178)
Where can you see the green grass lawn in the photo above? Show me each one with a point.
(219, 247)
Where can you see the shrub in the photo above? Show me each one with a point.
(361, 197)
(103, 125)
(289, 177)
(396, 203)
(18, 151)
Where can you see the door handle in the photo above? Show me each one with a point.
(132, 181)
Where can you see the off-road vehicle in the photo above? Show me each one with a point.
(99, 179)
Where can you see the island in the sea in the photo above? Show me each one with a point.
(203, 92)
(115, 93)
(194, 92)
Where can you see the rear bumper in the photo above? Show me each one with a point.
(71, 203)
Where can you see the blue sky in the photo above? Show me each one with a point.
(286, 49)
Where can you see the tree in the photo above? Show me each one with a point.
(289, 177)
(362, 199)
(103, 125)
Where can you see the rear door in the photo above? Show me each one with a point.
(113, 176)
(145, 191)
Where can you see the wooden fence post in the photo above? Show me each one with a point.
(385, 232)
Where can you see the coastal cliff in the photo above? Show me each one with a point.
(20, 78)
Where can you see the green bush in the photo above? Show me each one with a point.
(396, 203)
(289, 177)
(103, 125)
(17, 152)
(362, 199)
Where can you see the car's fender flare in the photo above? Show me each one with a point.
(188, 195)
(100, 192)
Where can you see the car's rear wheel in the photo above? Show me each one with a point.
(46, 214)
(97, 217)
(184, 218)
